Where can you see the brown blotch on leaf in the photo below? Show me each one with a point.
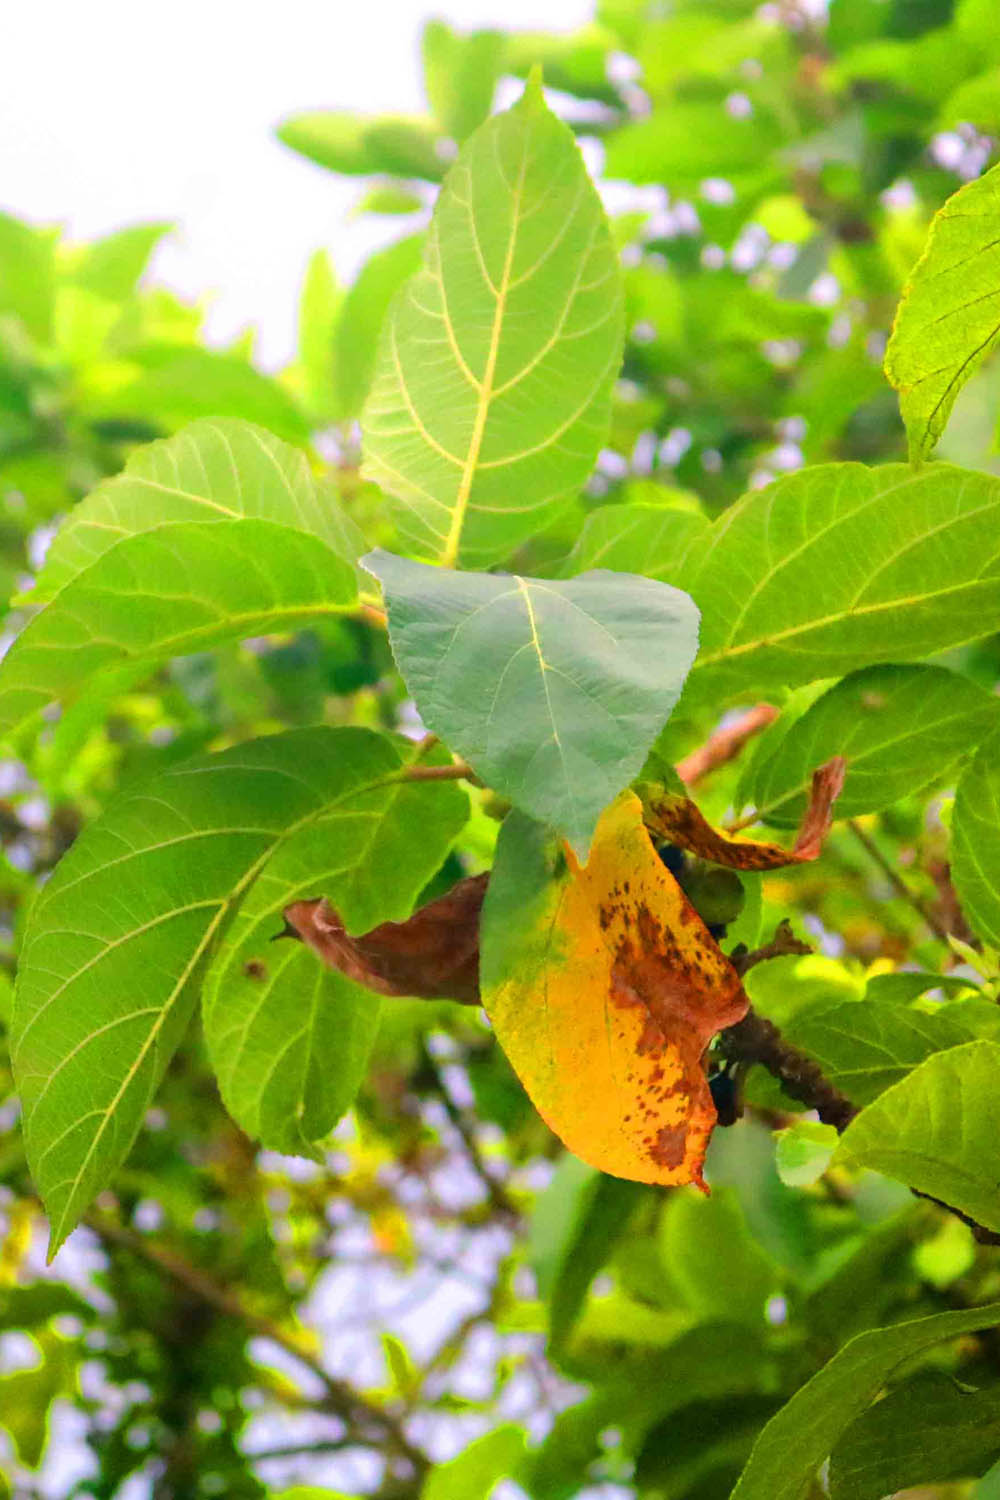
(255, 968)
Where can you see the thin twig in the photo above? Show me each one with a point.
(495, 1189)
(460, 771)
(897, 882)
(373, 1425)
(725, 744)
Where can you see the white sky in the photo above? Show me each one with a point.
(113, 112)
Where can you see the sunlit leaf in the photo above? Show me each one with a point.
(604, 987)
(839, 567)
(935, 1130)
(118, 939)
(975, 841)
(495, 366)
(864, 1048)
(289, 1038)
(949, 318)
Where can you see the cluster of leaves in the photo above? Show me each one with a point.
(208, 625)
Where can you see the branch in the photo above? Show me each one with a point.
(496, 1190)
(373, 1425)
(757, 1040)
(725, 744)
(896, 880)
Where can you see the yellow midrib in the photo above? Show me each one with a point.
(449, 554)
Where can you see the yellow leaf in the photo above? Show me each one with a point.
(604, 988)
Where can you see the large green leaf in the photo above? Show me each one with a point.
(111, 266)
(215, 535)
(212, 471)
(495, 366)
(864, 1048)
(289, 1039)
(930, 1430)
(949, 317)
(649, 539)
(901, 729)
(478, 1468)
(118, 937)
(975, 841)
(841, 566)
(936, 1131)
(553, 692)
(798, 1439)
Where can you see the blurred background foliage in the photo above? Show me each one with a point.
(448, 1303)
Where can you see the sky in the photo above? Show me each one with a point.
(114, 113)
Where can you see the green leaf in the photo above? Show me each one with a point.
(798, 1439)
(495, 365)
(174, 385)
(320, 308)
(255, 548)
(906, 985)
(472, 1475)
(27, 274)
(649, 539)
(975, 842)
(460, 75)
(213, 471)
(988, 1487)
(838, 567)
(110, 267)
(576, 1225)
(802, 1152)
(359, 145)
(935, 1130)
(928, 1431)
(901, 729)
(361, 317)
(288, 1081)
(949, 316)
(118, 938)
(711, 1256)
(553, 692)
(864, 1049)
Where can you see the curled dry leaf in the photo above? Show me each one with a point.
(604, 988)
(678, 819)
(432, 955)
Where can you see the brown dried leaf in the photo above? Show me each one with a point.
(432, 955)
(679, 820)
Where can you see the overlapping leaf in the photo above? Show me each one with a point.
(119, 936)
(799, 1438)
(936, 1131)
(975, 841)
(495, 366)
(652, 540)
(604, 988)
(552, 691)
(211, 472)
(288, 1038)
(900, 729)
(839, 567)
(949, 317)
(864, 1048)
(217, 534)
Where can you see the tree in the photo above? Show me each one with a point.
(312, 762)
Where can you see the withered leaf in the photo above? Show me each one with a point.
(432, 955)
(604, 988)
(678, 819)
